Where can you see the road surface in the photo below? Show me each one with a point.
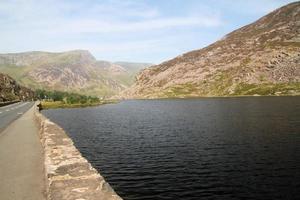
(21, 154)
(11, 112)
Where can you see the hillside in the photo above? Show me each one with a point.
(10, 90)
(133, 67)
(262, 58)
(72, 71)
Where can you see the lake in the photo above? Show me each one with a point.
(207, 148)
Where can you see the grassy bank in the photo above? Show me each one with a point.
(62, 104)
(223, 89)
(58, 99)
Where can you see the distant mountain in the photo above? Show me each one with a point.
(10, 90)
(262, 58)
(133, 67)
(72, 71)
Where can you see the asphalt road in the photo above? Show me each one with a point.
(12, 112)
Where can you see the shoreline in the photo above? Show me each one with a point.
(209, 97)
(58, 104)
(69, 176)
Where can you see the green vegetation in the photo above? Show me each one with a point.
(58, 99)
(268, 89)
(219, 89)
(61, 104)
(36, 69)
(70, 98)
(183, 90)
(222, 82)
(281, 44)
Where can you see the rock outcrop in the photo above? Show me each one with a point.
(10, 90)
(262, 58)
(73, 71)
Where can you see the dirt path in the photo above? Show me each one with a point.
(21, 161)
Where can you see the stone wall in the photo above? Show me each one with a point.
(69, 176)
(8, 103)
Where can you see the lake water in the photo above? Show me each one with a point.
(210, 148)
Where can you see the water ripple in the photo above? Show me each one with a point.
(236, 148)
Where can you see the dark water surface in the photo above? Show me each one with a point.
(214, 148)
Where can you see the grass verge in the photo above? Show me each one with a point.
(61, 104)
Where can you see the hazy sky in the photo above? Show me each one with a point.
(124, 30)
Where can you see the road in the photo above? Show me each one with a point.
(21, 154)
(11, 112)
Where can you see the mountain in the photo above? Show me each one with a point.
(72, 71)
(262, 58)
(10, 90)
(133, 67)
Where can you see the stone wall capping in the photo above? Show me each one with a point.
(68, 175)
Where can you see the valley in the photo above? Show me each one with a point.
(73, 71)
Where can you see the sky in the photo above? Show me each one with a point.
(124, 30)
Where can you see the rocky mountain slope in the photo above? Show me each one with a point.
(10, 90)
(262, 58)
(72, 71)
